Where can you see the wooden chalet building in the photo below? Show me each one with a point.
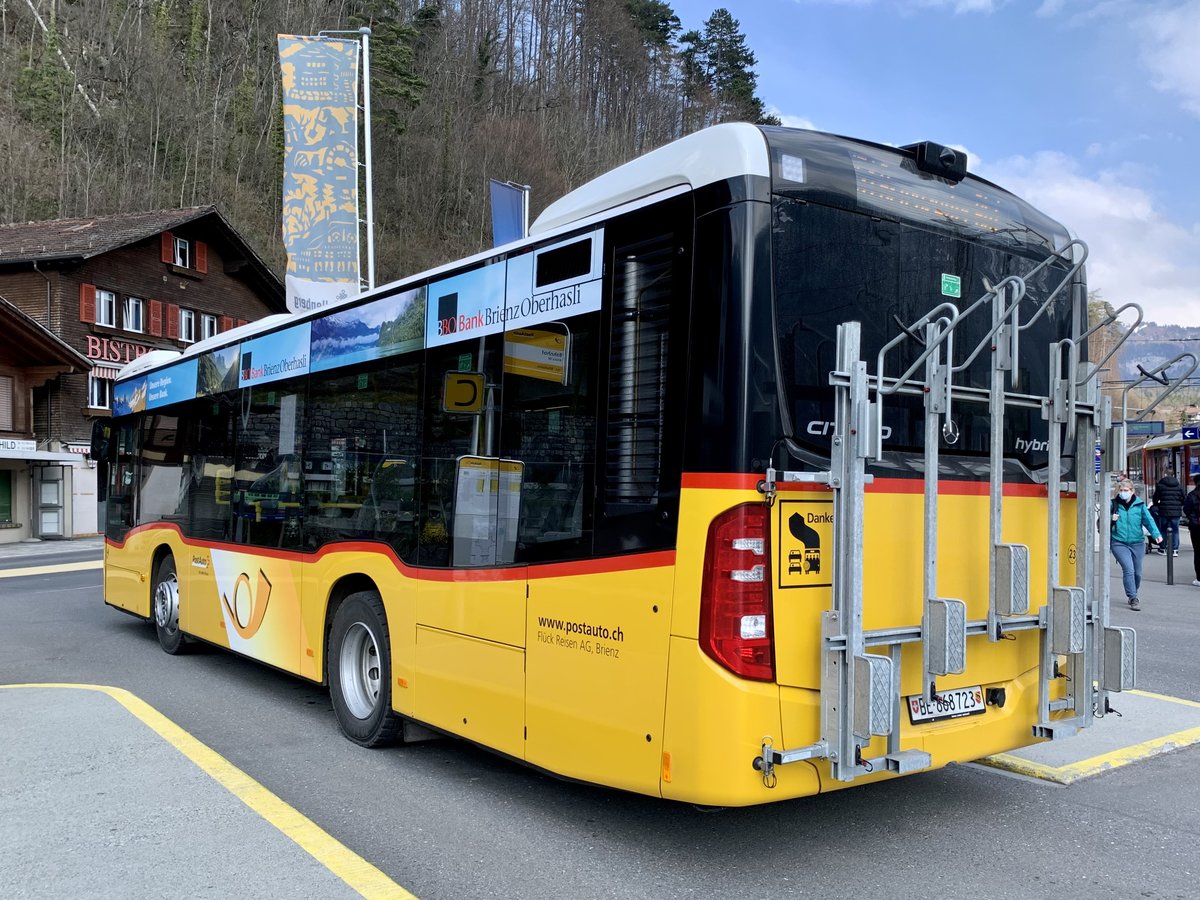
(113, 288)
(33, 481)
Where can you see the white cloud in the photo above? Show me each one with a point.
(791, 121)
(1135, 252)
(1169, 38)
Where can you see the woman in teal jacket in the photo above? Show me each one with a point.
(1129, 516)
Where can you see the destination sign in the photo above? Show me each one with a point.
(1143, 429)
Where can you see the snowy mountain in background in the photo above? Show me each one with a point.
(1154, 345)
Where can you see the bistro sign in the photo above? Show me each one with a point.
(103, 349)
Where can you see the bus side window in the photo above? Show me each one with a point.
(164, 480)
(448, 436)
(211, 476)
(265, 497)
(361, 468)
(549, 425)
(642, 452)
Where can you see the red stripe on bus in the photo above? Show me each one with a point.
(953, 488)
(728, 481)
(633, 562)
(659, 560)
(733, 481)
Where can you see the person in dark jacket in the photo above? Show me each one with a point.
(1191, 509)
(1169, 497)
(1129, 516)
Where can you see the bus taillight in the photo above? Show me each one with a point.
(735, 600)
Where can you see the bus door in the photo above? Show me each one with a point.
(123, 587)
(470, 653)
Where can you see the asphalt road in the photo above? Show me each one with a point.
(447, 820)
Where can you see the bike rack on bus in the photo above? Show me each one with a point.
(860, 691)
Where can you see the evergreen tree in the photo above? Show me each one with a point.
(719, 74)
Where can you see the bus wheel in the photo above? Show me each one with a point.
(360, 671)
(165, 600)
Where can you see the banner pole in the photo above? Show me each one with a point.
(367, 171)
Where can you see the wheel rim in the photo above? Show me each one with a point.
(359, 667)
(166, 604)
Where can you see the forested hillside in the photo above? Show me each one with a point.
(122, 105)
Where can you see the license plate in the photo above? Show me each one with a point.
(951, 704)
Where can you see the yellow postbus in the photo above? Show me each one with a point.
(757, 470)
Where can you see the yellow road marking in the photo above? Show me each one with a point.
(46, 570)
(329, 852)
(1103, 762)
(1178, 700)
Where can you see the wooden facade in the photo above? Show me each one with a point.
(109, 288)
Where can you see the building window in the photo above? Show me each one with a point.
(106, 308)
(133, 314)
(6, 497)
(183, 252)
(99, 393)
(208, 326)
(187, 326)
(6, 403)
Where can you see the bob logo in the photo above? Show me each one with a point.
(248, 607)
(447, 314)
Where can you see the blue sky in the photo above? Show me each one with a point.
(1089, 109)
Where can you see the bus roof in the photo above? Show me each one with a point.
(705, 157)
(712, 155)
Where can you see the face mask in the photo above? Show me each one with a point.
(1125, 495)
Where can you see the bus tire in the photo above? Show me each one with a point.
(360, 671)
(164, 606)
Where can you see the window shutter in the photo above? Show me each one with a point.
(201, 256)
(87, 303)
(6, 403)
(168, 247)
(172, 321)
(156, 318)
(226, 323)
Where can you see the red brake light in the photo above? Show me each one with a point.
(735, 600)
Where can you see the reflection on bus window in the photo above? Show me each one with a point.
(164, 478)
(360, 471)
(266, 498)
(549, 425)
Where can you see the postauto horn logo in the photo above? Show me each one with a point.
(448, 314)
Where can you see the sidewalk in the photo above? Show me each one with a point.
(1149, 724)
(37, 548)
(140, 808)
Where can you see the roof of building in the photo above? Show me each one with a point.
(26, 343)
(61, 240)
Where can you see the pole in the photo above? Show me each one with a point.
(524, 210)
(367, 171)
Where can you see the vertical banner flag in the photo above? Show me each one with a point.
(320, 169)
(508, 212)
